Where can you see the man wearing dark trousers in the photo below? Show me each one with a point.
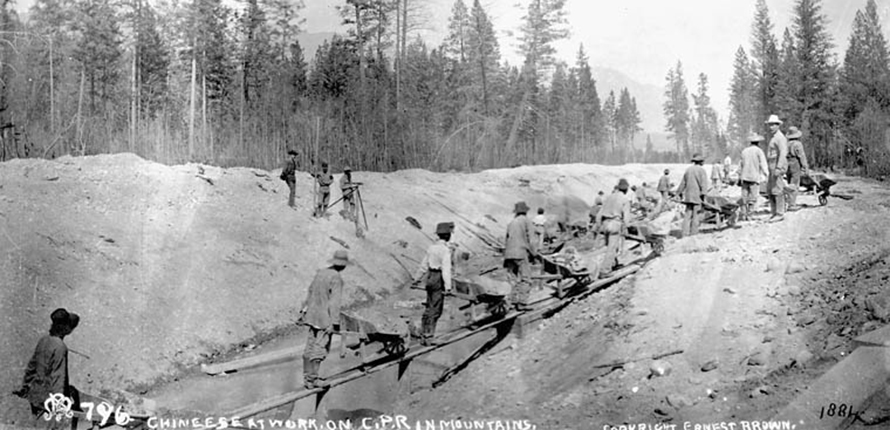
(325, 179)
(289, 176)
(436, 265)
(692, 190)
(47, 372)
(519, 250)
(321, 313)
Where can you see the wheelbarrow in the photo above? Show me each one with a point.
(483, 290)
(820, 184)
(644, 233)
(718, 209)
(372, 327)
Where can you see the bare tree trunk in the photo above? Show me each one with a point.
(52, 92)
(192, 109)
(133, 104)
(79, 110)
(204, 113)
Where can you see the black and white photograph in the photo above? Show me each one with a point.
(445, 214)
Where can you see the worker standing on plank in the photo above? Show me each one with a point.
(47, 372)
(437, 265)
(752, 170)
(612, 221)
(325, 179)
(777, 159)
(692, 191)
(321, 313)
(539, 222)
(347, 187)
(518, 253)
(797, 165)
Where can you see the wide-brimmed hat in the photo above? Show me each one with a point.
(698, 158)
(444, 227)
(291, 152)
(347, 169)
(341, 258)
(773, 119)
(666, 171)
(622, 184)
(520, 208)
(61, 317)
(794, 133)
(754, 137)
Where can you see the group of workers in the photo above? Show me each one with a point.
(781, 168)
(324, 179)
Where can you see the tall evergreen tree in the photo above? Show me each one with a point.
(98, 50)
(704, 125)
(676, 109)
(456, 44)
(788, 85)
(257, 55)
(741, 100)
(816, 74)
(866, 64)
(610, 110)
(483, 54)
(152, 61)
(592, 125)
(765, 60)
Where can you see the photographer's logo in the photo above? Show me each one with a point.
(57, 406)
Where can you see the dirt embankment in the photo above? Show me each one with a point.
(758, 312)
(169, 265)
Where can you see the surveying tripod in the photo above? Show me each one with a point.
(356, 190)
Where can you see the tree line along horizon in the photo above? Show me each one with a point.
(195, 80)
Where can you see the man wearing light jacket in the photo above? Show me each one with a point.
(752, 170)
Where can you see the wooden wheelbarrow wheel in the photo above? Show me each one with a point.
(823, 199)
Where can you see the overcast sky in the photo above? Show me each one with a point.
(641, 38)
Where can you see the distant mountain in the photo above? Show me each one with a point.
(649, 97)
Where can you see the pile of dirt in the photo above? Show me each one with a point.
(169, 265)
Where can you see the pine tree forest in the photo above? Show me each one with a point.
(841, 106)
(199, 81)
(179, 81)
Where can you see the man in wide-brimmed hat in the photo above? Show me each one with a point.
(797, 165)
(437, 265)
(752, 171)
(518, 253)
(47, 372)
(289, 175)
(777, 159)
(321, 313)
(692, 190)
(611, 220)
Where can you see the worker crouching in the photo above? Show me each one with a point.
(321, 313)
(437, 266)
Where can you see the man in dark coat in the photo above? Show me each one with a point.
(321, 313)
(692, 190)
(518, 253)
(289, 176)
(325, 179)
(437, 265)
(47, 372)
